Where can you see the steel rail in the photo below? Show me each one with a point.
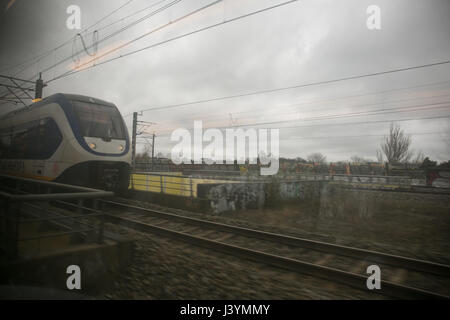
(368, 255)
(319, 271)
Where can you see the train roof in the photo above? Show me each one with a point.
(54, 98)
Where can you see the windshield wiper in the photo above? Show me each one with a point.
(108, 137)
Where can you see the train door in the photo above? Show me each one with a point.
(39, 141)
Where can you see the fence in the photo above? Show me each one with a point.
(20, 209)
(174, 183)
(163, 183)
(371, 179)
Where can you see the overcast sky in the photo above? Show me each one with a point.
(299, 43)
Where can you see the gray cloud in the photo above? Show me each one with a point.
(304, 42)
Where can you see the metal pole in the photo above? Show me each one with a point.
(133, 141)
(39, 87)
(153, 150)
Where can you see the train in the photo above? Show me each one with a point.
(67, 138)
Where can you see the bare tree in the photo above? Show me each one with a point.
(142, 157)
(317, 157)
(380, 156)
(396, 145)
(418, 158)
(148, 148)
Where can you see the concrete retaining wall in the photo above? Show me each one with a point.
(240, 196)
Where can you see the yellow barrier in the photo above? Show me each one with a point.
(172, 183)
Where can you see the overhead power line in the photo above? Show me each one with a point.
(68, 73)
(170, 106)
(344, 123)
(366, 122)
(108, 15)
(130, 15)
(48, 52)
(349, 96)
(255, 92)
(340, 116)
(165, 7)
(312, 103)
(361, 136)
(413, 108)
(359, 114)
(106, 37)
(300, 85)
(94, 59)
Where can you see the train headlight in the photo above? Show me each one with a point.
(92, 145)
(120, 148)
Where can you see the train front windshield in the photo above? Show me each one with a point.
(99, 121)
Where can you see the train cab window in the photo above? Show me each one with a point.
(98, 121)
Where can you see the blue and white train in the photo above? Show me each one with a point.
(70, 139)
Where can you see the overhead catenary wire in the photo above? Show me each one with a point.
(68, 73)
(170, 23)
(328, 124)
(419, 107)
(312, 103)
(109, 36)
(285, 88)
(300, 85)
(277, 89)
(170, 106)
(373, 93)
(161, 9)
(165, 7)
(362, 136)
(359, 114)
(39, 57)
(258, 92)
(368, 122)
(48, 52)
(126, 17)
(108, 15)
(130, 15)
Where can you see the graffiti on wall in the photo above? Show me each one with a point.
(236, 196)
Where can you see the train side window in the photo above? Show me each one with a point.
(32, 140)
(5, 143)
(18, 144)
(22, 140)
(49, 138)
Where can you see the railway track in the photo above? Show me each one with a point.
(401, 277)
